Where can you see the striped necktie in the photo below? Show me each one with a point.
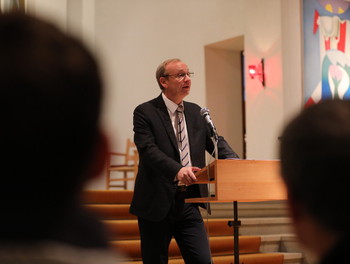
(182, 137)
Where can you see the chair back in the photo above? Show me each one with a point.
(131, 154)
(130, 164)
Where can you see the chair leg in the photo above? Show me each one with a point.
(108, 162)
(125, 185)
(108, 181)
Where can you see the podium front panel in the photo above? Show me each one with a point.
(244, 180)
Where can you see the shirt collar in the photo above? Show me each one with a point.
(170, 104)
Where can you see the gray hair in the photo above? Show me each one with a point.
(160, 72)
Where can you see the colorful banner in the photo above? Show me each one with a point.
(326, 28)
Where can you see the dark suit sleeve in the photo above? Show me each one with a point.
(199, 129)
(224, 149)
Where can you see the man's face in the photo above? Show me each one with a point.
(177, 83)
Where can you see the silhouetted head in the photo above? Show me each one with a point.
(315, 158)
(50, 96)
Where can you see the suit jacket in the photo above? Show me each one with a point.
(160, 158)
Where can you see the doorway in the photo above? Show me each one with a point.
(225, 90)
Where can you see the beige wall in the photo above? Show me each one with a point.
(131, 37)
(135, 36)
(263, 104)
(291, 59)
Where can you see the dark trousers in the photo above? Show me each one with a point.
(185, 223)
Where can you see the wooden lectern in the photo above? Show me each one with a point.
(241, 181)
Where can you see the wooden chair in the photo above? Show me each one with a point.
(129, 165)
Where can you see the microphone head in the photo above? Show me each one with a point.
(204, 111)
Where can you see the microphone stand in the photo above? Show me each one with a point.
(215, 140)
(215, 143)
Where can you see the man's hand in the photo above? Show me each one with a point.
(186, 175)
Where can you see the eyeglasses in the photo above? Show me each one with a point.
(180, 76)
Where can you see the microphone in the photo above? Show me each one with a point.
(205, 113)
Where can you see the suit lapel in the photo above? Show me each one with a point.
(190, 117)
(164, 116)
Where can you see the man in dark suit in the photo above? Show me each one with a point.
(163, 182)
